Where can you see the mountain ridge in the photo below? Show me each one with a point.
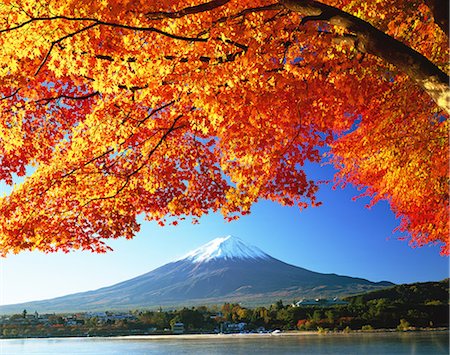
(223, 270)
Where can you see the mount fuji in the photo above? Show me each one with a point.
(223, 270)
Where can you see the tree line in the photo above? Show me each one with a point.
(403, 307)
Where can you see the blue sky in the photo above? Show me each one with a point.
(341, 236)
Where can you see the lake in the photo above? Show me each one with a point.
(426, 343)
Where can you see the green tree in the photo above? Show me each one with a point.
(279, 305)
(331, 316)
(317, 316)
(192, 318)
(161, 320)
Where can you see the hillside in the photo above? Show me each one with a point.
(427, 293)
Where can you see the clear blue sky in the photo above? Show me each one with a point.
(342, 237)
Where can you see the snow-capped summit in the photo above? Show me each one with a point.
(228, 247)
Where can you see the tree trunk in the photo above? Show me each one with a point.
(373, 41)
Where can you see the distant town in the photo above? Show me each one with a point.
(403, 307)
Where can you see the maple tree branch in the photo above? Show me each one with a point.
(208, 7)
(234, 43)
(172, 128)
(10, 95)
(373, 41)
(187, 10)
(59, 41)
(62, 96)
(110, 150)
(46, 100)
(271, 7)
(205, 59)
(133, 88)
(96, 23)
(151, 29)
(154, 112)
(102, 23)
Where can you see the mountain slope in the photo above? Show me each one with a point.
(224, 270)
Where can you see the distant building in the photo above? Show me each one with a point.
(109, 317)
(44, 318)
(178, 328)
(217, 315)
(121, 316)
(228, 327)
(100, 316)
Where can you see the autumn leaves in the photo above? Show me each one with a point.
(170, 109)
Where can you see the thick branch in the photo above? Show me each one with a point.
(151, 29)
(103, 23)
(373, 41)
(187, 10)
(271, 7)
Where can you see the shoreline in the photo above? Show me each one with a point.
(380, 332)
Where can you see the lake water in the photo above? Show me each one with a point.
(396, 343)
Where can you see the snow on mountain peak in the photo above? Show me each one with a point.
(228, 247)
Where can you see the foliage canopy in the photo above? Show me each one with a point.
(173, 108)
